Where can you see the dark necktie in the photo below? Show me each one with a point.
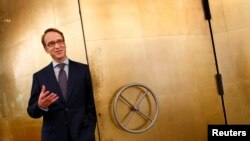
(62, 80)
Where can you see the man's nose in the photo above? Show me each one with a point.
(57, 45)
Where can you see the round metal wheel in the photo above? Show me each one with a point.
(135, 108)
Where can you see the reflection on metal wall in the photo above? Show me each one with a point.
(163, 44)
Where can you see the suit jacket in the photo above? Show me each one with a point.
(74, 116)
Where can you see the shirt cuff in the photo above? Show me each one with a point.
(44, 109)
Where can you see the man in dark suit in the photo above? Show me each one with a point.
(68, 111)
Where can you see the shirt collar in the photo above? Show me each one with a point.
(66, 61)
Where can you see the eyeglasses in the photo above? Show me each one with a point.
(53, 43)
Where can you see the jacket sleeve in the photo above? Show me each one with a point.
(33, 109)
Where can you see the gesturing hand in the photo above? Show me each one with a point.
(46, 98)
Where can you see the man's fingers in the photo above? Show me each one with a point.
(43, 89)
(44, 94)
(48, 99)
(52, 97)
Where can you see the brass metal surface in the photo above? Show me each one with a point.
(164, 44)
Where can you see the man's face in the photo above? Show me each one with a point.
(55, 46)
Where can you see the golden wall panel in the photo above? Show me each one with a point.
(129, 61)
(65, 11)
(218, 23)
(236, 14)
(239, 40)
(103, 20)
(233, 56)
(176, 18)
(176, 51)
(147, 18)
(240, 52)
(183, 75)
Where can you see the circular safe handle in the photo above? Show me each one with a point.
(135, 108)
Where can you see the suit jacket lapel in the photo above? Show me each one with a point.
(72, 76)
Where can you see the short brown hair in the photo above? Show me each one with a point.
(50, 30)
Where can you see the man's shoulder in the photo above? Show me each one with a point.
(44, 69)
(76, 63)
